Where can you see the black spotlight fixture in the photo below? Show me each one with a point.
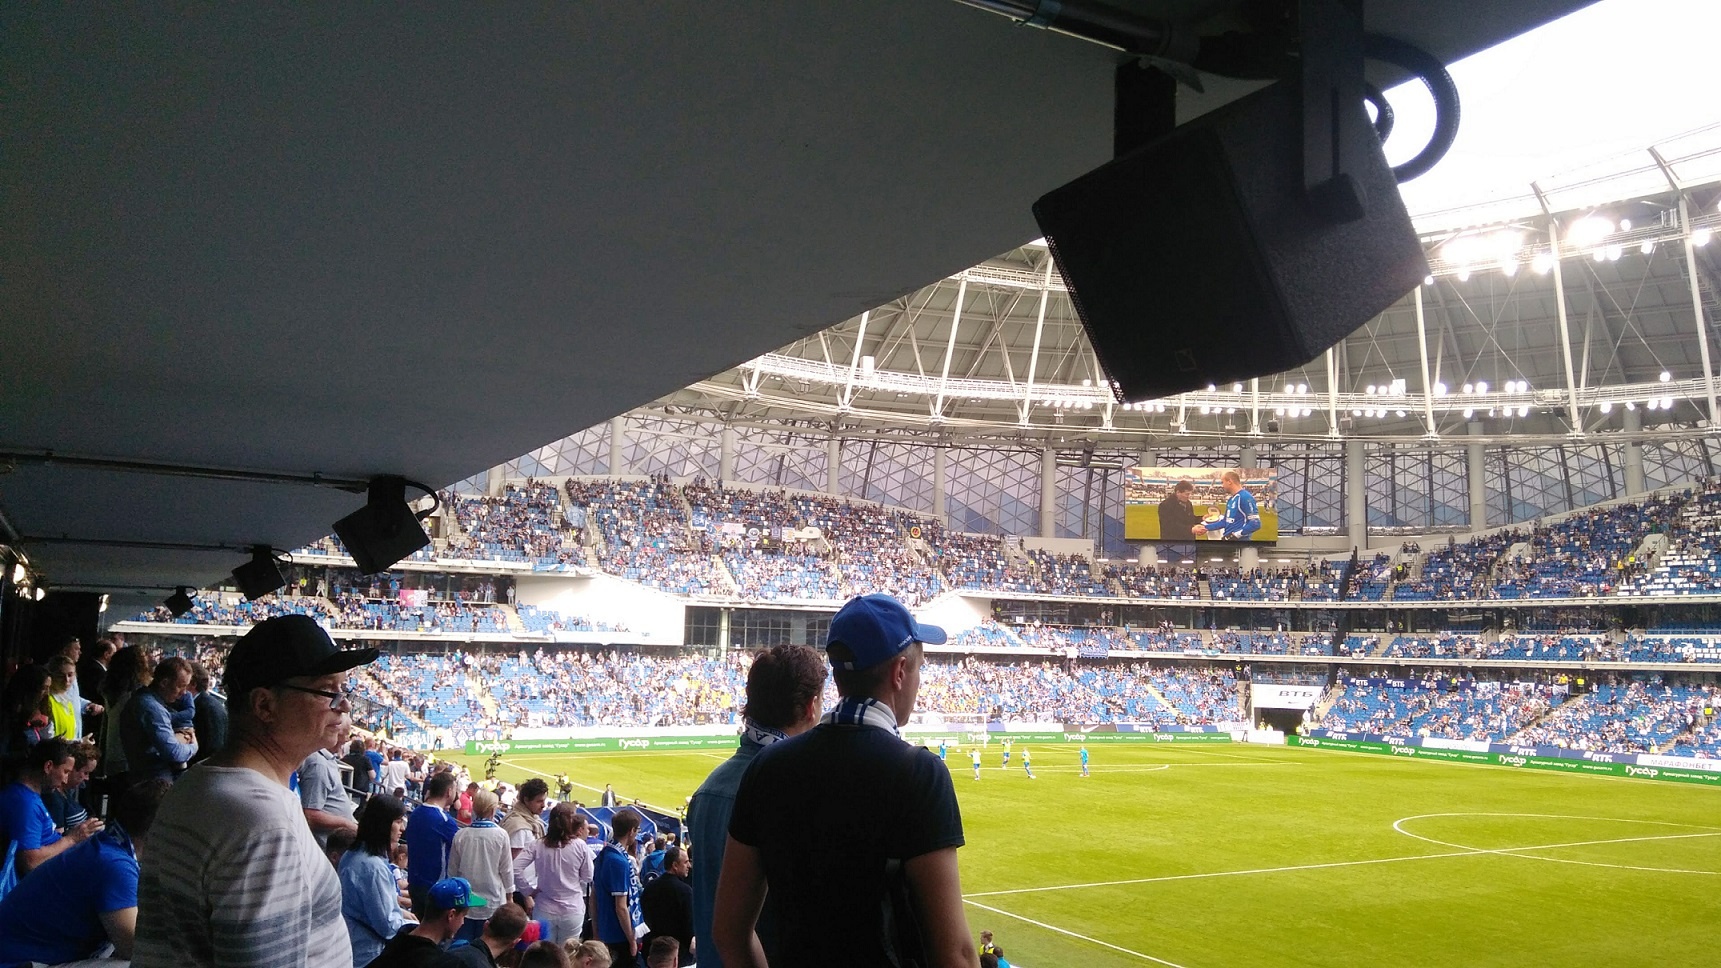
(386, 529)
(259, 576)
(179, 602)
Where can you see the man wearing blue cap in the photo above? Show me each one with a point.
(421, 945)
(853, 830)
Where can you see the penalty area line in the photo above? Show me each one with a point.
(1079, 937)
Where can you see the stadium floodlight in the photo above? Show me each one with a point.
(1629, 405)
(19, 573)
(1439, 389)
(1667, 403)
(1701, 237)
(1468, 388)
(1481, 386)
(1625, 225)
(179, 602)
(1665, 376)
(1468, 413)
(1647, 247)
(1463, 273)
(1523, 411)
(259, 576)
(1370, 390)
(1542, 263)
(1586, 232)
(1605, 406)
(1428, 280)
(1614, 252)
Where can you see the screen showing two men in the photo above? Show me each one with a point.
(1177, 504)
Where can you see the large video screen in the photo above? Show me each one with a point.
(1185, 504)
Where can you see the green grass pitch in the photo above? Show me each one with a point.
(1246, 856)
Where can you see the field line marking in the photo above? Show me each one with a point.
(1462, 852)
(1238, 873)
(1072, 934)
(1518, 851)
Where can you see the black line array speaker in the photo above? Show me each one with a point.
(1198, 259)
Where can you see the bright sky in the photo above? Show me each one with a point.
(1612, 78)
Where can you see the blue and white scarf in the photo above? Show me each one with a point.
(761, 734)
(861, 711)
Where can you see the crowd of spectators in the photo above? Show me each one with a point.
(708, 538)
(523, 523)
(1640, 715)
(1440, 706)
(643, 534)
(1052, 691)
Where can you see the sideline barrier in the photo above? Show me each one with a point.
(612, 744)
(1644, 766)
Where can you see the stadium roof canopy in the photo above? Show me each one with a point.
(998, 351)
(343, 242)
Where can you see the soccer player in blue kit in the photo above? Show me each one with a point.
(1242, 515)
(1084, 759)
(943, 748)
(976, 755)
(1006, 764)
(1027, 763)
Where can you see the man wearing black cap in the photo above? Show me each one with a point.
(235, 876)
(853, 830)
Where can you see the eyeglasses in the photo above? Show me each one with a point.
(335, 698)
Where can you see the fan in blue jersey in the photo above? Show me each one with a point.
(1242, 516)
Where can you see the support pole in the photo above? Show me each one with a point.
(950, 347)
(848, 394)
(1634, 483)
(833, 465)
(1422, 351)
(1356, 496)
(940, 458)
(1034, 357)
(1565, 328)
(1476, 473)
(1049, 492)
(1697, 308)
(618, 436)
(726, 454)
(1332, 394)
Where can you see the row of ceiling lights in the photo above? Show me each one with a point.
(1503, 248)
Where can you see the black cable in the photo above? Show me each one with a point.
(434, 497)
(1383, 116)
(1439, 83)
